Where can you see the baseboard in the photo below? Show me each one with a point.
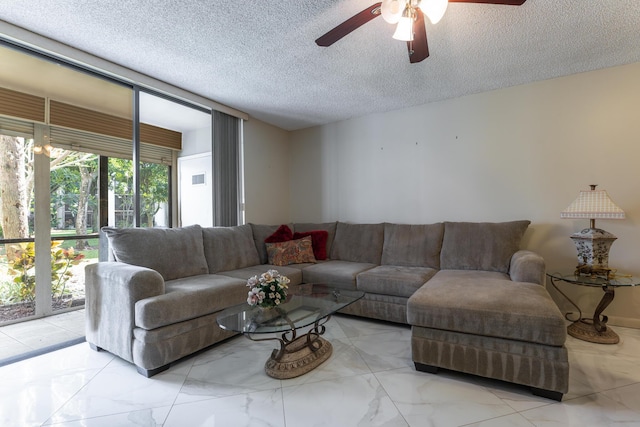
(627, 322)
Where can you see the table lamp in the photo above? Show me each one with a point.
(593, 243)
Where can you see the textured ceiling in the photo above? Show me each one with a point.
(260, 57)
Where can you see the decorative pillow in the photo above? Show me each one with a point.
(318, 241)
(261, 232)
(282, 234)
(329, 227)
(480, 245)
(291, 252)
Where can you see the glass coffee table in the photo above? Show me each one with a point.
(306, 305)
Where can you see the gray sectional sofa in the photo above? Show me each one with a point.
(475, 301)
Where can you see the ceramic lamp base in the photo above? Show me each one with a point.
(593, 245)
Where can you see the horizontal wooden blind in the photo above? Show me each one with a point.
(16, 127)
(82, 129)
(22, 105)
(105, 145)
(159, 136)
(71, 116)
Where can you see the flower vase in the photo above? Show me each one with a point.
(267, 313)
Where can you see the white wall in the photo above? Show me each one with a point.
(196, 141)
(518, 153)
(196, 200)
(266, 173)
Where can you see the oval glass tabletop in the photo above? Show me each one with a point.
(614, 280)
(305, 305)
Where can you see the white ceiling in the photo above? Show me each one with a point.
(260, 56)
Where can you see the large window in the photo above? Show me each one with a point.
(72, 165)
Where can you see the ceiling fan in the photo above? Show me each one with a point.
(409, 17)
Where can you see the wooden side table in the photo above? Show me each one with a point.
(594, 329)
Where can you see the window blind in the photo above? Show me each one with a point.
(22, 105)
(226, 168)
(15, 127)
(74, 117)
(105, 145)
(81, 129)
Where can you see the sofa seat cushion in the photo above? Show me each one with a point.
(341, 274)
(188, 298)
(294, 274)
(394, 280)
(172, 252)
(228, 248)
(488, 304)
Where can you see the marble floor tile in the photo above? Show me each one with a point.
(593, 410)
(153, 417)
(118, 389)
(433, 400)
(513, 420)
(261, 408)
(353, 401)
(369, 380)
(385, 350)
(344, 362)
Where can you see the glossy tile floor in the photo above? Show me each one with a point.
(368, 381)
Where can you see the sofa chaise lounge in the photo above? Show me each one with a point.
(475, 301)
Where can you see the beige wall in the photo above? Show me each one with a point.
(266, 173)
(518, 153)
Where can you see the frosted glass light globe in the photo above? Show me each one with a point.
(391, 10)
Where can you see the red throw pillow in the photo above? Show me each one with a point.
(318, 241)
(282, 234)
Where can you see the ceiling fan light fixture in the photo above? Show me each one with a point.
(391, 10)
(404, 30)
(434, 9)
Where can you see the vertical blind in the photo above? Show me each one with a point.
(226, 168)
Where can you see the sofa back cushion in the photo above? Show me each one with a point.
(172, 252)
(229, 248)
(358, 243)
(481, 245)
(412, 245)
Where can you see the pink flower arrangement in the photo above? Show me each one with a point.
(268, 290)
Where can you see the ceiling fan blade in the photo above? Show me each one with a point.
(506, 2)
(349, 25)
(418, 47)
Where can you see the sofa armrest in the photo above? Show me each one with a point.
(111, 291)
(527, 266)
